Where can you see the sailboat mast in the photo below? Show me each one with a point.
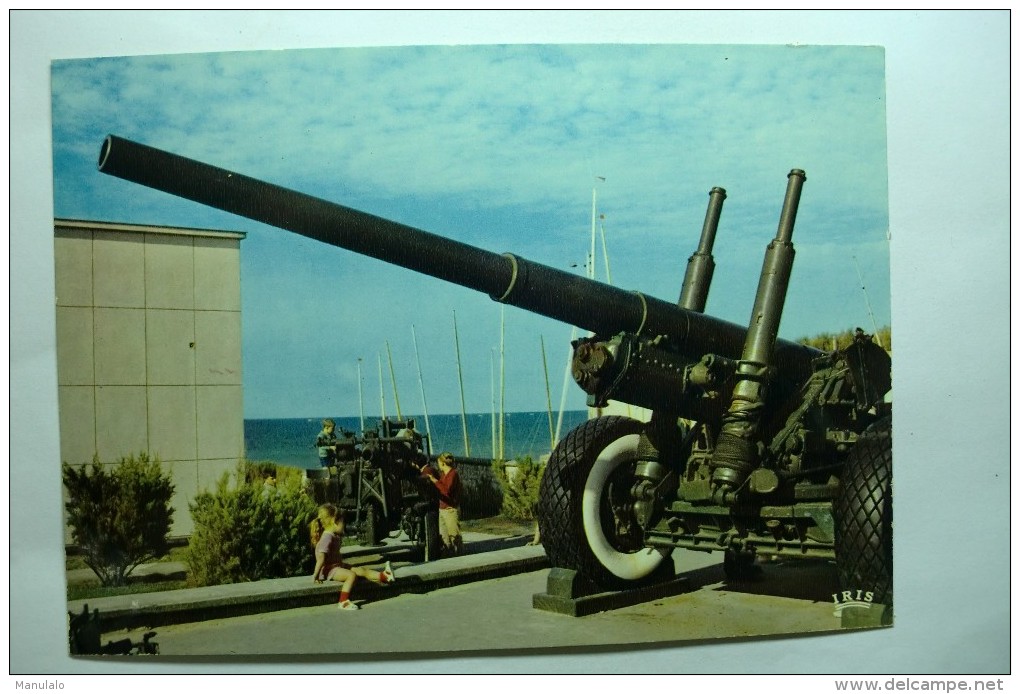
(492, 385)
(393, 379)
(460, 379)
(548, 395)
(361, 399)
(605, 249)
(590, 272)
(382, 390)
(591, 254)
(421, 384)
(867, 301)
(591, 257)
(502, 381)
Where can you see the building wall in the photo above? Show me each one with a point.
(149, 350)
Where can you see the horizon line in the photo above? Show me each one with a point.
(413, 415)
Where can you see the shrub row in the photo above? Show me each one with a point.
(520, 482)
(251, 530)
(119, 515)
(255, 528)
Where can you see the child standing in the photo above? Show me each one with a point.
(450, 490)
(326, 443)
(327, 532)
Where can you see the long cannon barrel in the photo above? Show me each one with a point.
(507, 278)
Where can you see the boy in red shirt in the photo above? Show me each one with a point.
(448, 484)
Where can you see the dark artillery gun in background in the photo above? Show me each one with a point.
(756, 445)
(376, 482)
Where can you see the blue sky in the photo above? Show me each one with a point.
(499, 147)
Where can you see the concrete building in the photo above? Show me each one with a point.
(149, 349)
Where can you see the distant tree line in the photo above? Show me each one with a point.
(831, 341)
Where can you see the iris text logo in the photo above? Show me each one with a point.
(852, 599)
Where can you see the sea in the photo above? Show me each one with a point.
(291, 442)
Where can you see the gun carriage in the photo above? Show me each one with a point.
(375, 480)
(755, 446)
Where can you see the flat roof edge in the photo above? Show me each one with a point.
(93, 225)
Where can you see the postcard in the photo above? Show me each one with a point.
(503, 347)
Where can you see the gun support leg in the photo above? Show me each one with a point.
(736, 452)
(701, 265)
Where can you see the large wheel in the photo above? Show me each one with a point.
(584, 506)
(863, 515)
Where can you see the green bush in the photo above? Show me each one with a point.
(520, 488)
(120, 517)
(482, 494)
(251, 531)
(829, 341)
(255, 472)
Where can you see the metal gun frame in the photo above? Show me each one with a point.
(756, 445)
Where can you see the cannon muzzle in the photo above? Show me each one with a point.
(593, 306)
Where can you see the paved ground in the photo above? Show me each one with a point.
(496, 615)
(486, 556)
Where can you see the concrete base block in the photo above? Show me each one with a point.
(877, 615)
(568, 593)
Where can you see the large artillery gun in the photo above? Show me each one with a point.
(755, 446)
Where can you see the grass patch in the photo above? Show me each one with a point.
(498, 525)
(89, 588)
(77, 561)
(90, 591)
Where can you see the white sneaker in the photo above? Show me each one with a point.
(388, 573)
(347, 605)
